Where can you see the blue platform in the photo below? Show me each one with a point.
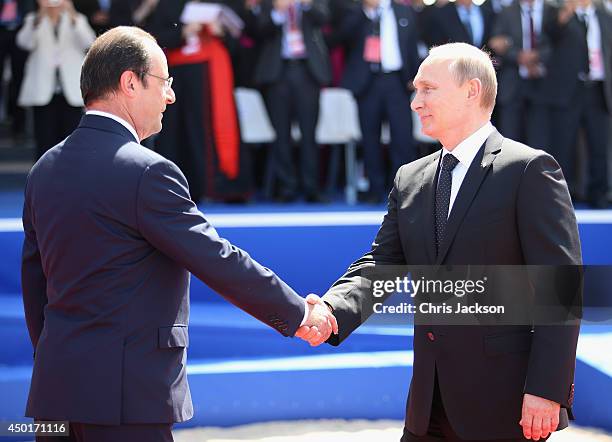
(240, 371)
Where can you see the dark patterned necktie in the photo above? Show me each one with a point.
(443, 193)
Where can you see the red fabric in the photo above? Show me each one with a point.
(224, 116)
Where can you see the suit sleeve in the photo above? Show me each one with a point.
(351, 295)
(33, 280)
(549, 235)
(318, 13)
(171, 222)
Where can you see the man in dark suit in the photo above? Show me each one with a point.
(111, 235)
(483, 199)
(380, 67)
(460, 21)
(579, 89)
(521, 40)
(293, 65)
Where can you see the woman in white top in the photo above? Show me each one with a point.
(57, 38)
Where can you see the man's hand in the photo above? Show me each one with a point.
(528, 58)
(320, 322)
(500, 44)
(282, 5)
(540, 417)
(371, 4)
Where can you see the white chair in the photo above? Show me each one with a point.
(339, 125)
(255, 126)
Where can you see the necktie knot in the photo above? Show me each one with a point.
(449, 162)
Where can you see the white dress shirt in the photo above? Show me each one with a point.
(465, 152)
(537, 12)
(282, 19)
(596, 67)
(390, 55)
(473, 15)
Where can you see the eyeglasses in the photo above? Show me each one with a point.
(168, 80)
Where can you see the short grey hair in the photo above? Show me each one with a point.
(469, 62)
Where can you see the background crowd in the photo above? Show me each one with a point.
(553, 61)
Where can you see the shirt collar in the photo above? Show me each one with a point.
(119, 120)
(588, 11)
(535, 6)
(468, 148)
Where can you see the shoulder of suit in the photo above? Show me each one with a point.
(515, 152)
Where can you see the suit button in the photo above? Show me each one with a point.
(431, 336)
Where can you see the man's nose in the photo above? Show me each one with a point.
(416, 102)
(170, 97)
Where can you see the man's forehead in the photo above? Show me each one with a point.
(432, 68)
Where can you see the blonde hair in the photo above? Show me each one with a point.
(467, 63)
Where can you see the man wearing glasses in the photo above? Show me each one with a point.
(111, 234)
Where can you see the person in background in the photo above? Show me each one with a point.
(522, 41)
(97, 12)
(460, 21)
(57, 37)
(132, 12)
(293, 66)
(579, 90)
(12, 14)
(201, 133)
(381, 64)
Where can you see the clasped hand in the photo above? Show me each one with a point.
(319, 324)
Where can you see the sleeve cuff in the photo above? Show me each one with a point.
(305, 312)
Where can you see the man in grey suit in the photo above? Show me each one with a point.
(482, 200)
(111, 235)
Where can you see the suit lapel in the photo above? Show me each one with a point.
(469, 188)
(457, 19)
(428, 189)
(517, 20)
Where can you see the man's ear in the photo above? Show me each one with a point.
(474, 90)
(128, 83)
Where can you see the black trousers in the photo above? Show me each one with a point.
(114, 433)
(524, 119)
(54, 122)
(386, 98)
(588, 110)
(440, 429)
(295, 95)
(17, 57)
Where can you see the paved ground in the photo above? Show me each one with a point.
(339, 431)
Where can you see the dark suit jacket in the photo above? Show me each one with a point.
(270, 65)
(111, 235)
(357, 27)
(513, 208)
(508, 23)
(569, 47)
(445, 26)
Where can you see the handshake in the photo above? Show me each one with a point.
(320, 322)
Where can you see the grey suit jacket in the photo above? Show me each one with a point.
(513, 208)
(111, 235)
